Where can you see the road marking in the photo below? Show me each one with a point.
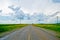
(29, 34)
(29, 37)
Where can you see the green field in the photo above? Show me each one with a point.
(4, 28)
(54, 27)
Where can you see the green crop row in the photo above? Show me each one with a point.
(9, 27)
(55, 27)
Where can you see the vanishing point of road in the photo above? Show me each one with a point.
(29, 33)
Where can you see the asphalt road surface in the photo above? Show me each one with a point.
(29, 33)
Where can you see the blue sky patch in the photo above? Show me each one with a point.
(56, 1)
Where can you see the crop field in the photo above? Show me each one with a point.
(9, 27)
(54, 27)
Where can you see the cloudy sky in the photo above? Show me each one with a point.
(31, 6)
(47, 7)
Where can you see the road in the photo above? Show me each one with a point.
(29, 33)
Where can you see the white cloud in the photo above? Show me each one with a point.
(48, 7)
(31, 6)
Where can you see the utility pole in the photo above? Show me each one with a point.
(57, 19)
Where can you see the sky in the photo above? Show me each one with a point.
(48, 7)
(31, 6)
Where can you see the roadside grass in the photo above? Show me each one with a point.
(5, 28)
(54, 27)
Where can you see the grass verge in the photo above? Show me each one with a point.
(54, 27)
(7, 28)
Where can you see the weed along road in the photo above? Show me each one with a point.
(29, 33)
